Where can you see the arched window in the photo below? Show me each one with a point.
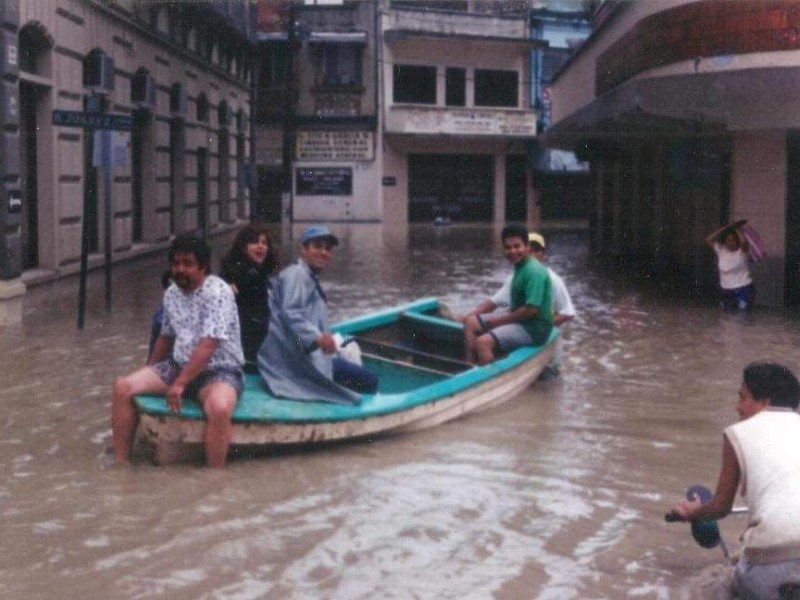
(34, 49)
(98, 71)
(202, 108)
(223, 114)
(177, 100)
(143, 90)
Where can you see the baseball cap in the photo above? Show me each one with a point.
(318, 231)
(536, 238)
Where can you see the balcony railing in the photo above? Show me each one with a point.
(457, 24)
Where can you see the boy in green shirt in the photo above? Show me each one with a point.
(530, 318)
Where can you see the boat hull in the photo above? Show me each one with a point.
(476, 389)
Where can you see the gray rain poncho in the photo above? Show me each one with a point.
(288, 361)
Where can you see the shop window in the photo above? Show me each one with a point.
(455, 87)
(414, 84)
(496, 88)
(340, 65)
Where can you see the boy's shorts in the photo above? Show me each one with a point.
(510, 337)
(169, 370)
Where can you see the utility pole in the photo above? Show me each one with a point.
(289, 114)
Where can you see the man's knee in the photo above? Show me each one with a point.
(219, 400)
(123, 387)
(485, 342)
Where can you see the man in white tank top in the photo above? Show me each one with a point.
(761, 457)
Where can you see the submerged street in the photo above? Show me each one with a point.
(557, 494)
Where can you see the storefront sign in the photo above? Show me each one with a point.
(324, 181)
(334, 145)
(467, 122)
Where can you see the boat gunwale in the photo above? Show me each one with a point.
(372, 405)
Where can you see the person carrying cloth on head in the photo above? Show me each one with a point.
(736, 284)
(298, 358)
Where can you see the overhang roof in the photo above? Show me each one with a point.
(690, 104)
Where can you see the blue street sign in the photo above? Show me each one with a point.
(73, 118)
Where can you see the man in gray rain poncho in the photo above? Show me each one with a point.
(298, 358)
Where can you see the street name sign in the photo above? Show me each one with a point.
(73, 118)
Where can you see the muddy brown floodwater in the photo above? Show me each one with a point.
(557, 494)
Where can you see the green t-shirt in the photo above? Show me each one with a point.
(531, 286)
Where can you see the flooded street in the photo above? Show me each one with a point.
(557, 494)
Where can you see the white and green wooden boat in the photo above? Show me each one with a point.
(423, 381)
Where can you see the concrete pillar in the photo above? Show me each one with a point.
(758, 194)
(500, 187)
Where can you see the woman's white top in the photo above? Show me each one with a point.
(734, 271)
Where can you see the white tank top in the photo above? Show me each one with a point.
(767, 447)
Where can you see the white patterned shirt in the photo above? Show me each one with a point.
(209, 311)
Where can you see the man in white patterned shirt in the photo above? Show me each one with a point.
(198, 353)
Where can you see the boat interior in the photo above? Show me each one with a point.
(416, 340)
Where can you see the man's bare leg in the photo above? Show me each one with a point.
(472, 329)
(219, 400)
(124, 418)
(484, 347)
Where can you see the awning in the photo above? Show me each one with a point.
(337, 37)
(397, 35)
(273, 36)
(690, 104)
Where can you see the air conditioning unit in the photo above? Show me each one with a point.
(178, 101)
(143, 91)
(98, 72)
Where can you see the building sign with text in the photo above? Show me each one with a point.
(335, 145)
(464, 122)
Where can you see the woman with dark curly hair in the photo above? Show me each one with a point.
(247, 268)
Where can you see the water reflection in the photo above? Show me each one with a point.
(559, 493)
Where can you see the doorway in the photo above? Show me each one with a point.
(30, 95)
(459, 187)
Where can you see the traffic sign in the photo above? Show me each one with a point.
(73, 118)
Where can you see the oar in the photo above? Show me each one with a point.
(704, 531)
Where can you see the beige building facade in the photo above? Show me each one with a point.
(688, 114)
(173, 79)
(395, 112)
(455, 115)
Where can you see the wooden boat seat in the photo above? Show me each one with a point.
(410, 356)
(431, 326)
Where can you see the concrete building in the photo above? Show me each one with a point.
(395, 112)
(316, 114)
(455, 113)
(174, 78)
(687, 111)
(559, 177)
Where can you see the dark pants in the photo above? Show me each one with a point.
(354, 377)
(739, 299)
